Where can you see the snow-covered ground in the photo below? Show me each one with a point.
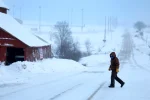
(22, 70)
(61, 79)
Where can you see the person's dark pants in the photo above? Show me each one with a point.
(115, 77)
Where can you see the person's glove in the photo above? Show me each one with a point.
(117, 70)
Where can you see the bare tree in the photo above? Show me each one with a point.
(139, 26)
(66, 48)
(88, 47)
(75, 53)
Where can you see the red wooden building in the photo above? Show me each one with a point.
(18, 43)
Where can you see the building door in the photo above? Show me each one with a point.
(14, 55)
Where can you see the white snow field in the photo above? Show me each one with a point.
(61, 79)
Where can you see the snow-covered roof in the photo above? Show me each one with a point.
(9, 24)
(3, 5)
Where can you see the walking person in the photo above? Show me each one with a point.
(114, 67)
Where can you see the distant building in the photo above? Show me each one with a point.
(18, 43)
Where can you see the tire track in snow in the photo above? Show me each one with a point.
(41, 84)
(60, 94)
(95, 92)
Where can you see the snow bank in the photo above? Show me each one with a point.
(95, 60)
(20, 71)
(46, 66)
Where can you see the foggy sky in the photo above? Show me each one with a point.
(127, 11)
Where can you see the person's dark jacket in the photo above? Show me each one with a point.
(114, 66)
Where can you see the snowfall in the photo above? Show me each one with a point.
(88, 79)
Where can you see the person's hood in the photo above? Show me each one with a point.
(113, 54)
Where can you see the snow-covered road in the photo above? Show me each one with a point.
(79, 86)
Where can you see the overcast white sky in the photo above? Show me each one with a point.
(94, 10)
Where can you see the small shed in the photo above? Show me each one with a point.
(18, 43)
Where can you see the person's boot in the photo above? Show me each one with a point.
(122, 84)
(111, 86)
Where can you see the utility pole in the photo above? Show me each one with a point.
(39, 18)
(13, 10)
(108, 25)
(71, 17)
(82, 10)
(20, 13)
(105, 30)
(116, 22)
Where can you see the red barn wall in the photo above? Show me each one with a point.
(2, 54)
(33, 53)
(8, 40)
